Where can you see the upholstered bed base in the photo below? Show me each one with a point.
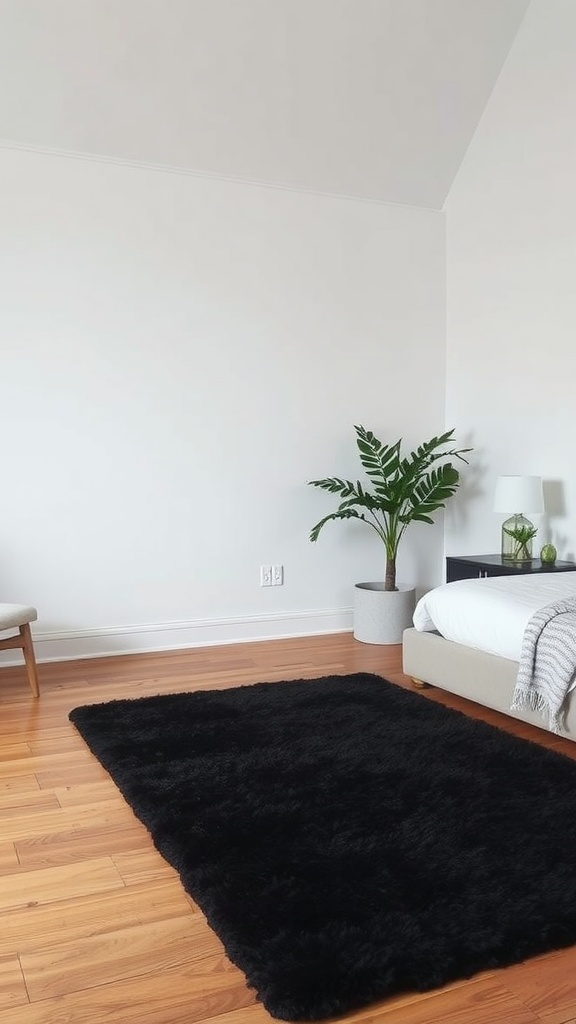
(480, 677)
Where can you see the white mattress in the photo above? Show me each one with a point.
(491, 614)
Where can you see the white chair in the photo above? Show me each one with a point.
(19, 616)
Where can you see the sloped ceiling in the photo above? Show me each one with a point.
(370, 98)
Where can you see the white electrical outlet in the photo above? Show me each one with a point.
(277, 575)
(265, 575)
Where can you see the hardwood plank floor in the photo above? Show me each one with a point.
(95, 926)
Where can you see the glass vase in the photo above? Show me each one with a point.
(517, 536)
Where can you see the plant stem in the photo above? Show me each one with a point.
(390, 577)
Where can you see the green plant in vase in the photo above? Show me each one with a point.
(519, 549)
(406, 489)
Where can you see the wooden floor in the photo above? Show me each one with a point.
(95, 926)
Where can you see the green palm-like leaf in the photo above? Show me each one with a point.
(380, 461)
(347, 513)
(335, 485)
(432, 493)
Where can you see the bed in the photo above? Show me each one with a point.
(467, 638)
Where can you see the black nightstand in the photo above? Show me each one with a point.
(468, 567)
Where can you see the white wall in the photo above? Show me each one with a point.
(511, 221)
(179, 355)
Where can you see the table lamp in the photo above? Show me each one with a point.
(518, 492)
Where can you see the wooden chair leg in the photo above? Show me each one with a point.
(29, 658)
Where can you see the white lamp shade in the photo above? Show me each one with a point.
(515, 494)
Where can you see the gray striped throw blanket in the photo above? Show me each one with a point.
(547, 670)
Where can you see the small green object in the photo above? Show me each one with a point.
(548, 554)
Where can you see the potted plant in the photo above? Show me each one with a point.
(404, 489)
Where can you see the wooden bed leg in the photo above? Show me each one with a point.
(419, 683)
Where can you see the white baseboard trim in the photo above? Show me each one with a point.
(107, 641)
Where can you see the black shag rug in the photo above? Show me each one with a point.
(348, 839)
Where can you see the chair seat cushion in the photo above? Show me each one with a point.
(16, 615)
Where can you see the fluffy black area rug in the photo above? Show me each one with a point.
(348, 839)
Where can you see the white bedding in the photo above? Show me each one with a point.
(491, 614)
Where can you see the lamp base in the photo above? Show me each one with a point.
(517, 536)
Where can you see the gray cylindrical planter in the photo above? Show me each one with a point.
(381, 616)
